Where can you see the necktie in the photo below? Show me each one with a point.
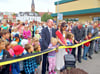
(50, 32)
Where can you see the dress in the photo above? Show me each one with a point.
(60, 59)
(60, 54)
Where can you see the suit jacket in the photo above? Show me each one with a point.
(95, 33)
(46, 38)
(79, 34)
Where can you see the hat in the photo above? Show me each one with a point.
(17, 35)
(18, 50)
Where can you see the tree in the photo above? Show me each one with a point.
(45, 17)
(14, 14)
(36, 12)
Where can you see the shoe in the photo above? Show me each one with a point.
(79, 61)
(89, 57)
(84, 58)
(96, 52)
(54, 72)
(50, 72)
(86, 55)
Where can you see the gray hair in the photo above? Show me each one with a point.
(49, 20)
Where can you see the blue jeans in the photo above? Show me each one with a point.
(86, 49)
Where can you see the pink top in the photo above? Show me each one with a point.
(26, 34)
(11, 52)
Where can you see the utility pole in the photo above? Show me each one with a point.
(57, 12)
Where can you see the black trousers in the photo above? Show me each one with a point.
(78, 52)
(45, 63)
(4, 71)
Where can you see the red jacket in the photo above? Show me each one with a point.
(88, 43)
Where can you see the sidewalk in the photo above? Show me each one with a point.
(90, 66)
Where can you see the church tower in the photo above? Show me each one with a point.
(33, 6)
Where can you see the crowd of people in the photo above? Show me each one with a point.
(21, 38)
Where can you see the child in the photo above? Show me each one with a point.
(8, 48)
(14, 32)
(52, 56)
(13, 44)
(17, 39)
(35, 41)
(37, 49)
(86, 46)
(3, 55)
(18, 50)
(5, 35)
(69, 41)
(29, 64)
(37, 34)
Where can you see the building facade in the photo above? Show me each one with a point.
(30, 16)
(78, 10)
(9, 16)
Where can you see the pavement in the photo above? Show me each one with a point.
(90, 66)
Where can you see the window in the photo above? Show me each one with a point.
(71, 19)
(96, 19)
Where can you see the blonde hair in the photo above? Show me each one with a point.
(13, 43)
(54, 40)
(1, 40)
(35, 39)
(36, 31)
(12, 30)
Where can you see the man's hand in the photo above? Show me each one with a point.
(76, 42)
(80, 41)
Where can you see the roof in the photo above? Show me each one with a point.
(28, 14)
(63, 1)
(32, 2)
(85, 11)
(42, 13)
(5, 16)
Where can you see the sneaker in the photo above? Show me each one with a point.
(84, 58)
(89, 57)
(50, 72)
(96, 52)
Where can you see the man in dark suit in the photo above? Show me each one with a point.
(79, 35)
(46, 35)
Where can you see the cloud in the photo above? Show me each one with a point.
(3, 1)
(25, 5)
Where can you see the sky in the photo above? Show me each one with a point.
(25, 5)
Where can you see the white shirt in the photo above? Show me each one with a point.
(50, 31)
